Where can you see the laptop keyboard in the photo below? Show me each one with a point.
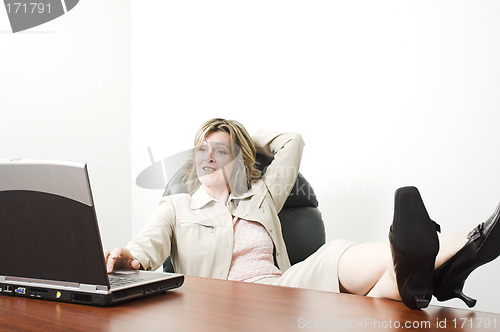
(116, 281)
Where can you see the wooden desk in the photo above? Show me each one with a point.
(216, 305)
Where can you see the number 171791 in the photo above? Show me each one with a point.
(28, 8)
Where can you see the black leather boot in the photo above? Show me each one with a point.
(483, 246)
(414, 245)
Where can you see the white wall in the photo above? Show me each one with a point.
(385, 93)
(64, 94)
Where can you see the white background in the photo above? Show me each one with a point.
(65, 95)
(385, 94)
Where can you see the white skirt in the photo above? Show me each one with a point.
(318, 272)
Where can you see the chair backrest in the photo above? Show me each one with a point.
(301, 223)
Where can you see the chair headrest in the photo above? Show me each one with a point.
(302, 193)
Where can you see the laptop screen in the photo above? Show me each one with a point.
(48, 225)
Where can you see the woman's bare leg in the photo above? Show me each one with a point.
(362, 266)
(367, 268)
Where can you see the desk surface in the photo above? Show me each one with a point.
(217, 305)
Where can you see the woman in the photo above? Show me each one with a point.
(227, 227)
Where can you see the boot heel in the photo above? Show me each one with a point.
(421, 303)
(468, 300)
(455, 290)
(415, 287)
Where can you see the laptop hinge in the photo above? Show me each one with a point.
(88, 288)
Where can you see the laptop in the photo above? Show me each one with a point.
(50, 246)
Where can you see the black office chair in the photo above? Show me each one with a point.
(301, 223)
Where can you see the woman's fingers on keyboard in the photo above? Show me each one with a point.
(135, 264)
(118, 258)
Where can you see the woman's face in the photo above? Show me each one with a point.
(214, 160)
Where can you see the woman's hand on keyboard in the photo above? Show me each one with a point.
(120, 259)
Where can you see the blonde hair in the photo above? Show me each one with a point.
(243, 150)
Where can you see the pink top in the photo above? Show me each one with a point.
(252, 252)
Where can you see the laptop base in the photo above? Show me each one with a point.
(96, 298)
